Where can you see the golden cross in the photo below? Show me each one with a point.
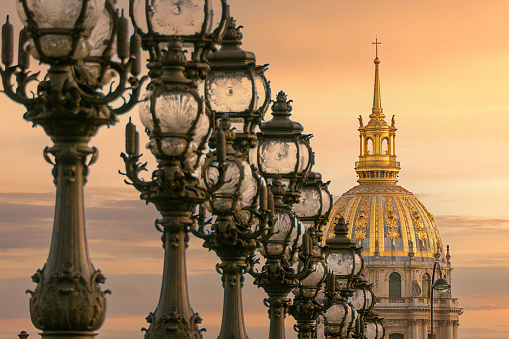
(376, 43)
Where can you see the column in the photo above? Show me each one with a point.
(449, 329)
(424, 329)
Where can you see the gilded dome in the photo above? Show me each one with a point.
(384, 218)
(387, 220)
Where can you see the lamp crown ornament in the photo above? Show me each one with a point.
(233, 34)
(340, 227)
(231, 54)
(281, 105)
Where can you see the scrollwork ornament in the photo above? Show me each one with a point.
(173, 325)
(67, 301)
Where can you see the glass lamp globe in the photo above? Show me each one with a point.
(59, 29)
(362, 298)
(284, 226)
(373, 328)
(339, 319)
(174, 114)
(441, 286)
(315, 200)
(308, 287)
(237, 190)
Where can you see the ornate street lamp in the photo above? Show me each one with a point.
(312, 210)
(70, 105)
(199, 23)
(305, 308)
(283, 155)
(314, 203)
(441, 285)
(239, 200)
(280, 249)
(237, 87)
(345, 262)
(178, 125)
(235, 192)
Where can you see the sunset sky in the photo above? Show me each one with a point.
(444, 75)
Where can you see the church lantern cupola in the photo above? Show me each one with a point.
(377, 160)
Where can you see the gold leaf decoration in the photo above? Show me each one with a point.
(420, 233)
(362, 220)
(391, 220)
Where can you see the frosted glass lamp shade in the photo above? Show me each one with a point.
(176, 122)
(344, 265)
(176, 17)
(185, 18)
(283, 227)
(61, 27)
(239, 188)
(339, 318)
(229, 92)
(309, 203)
(196, 22)
(278, 157)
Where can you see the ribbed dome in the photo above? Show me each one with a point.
(387, 220)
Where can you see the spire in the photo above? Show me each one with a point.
(377, 111)
(377, 160)
(377, 100)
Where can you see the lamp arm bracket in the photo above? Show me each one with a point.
(250, 269)
(306, 270)
(136, 86)
(133, 169)
(114, 94)
(23, 78)
(222, 167)
(198, 228)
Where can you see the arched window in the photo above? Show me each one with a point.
(396, 336)
(394, 285)
(385, 146)
(426, 283)
(369, 146)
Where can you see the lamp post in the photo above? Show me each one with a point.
(312, 210)
(284, 159)
(69, 104)
(178, 125)
(345, 262)
(235, 191)
(441, 285)
(236, 90)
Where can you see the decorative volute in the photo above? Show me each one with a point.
(377, 160)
